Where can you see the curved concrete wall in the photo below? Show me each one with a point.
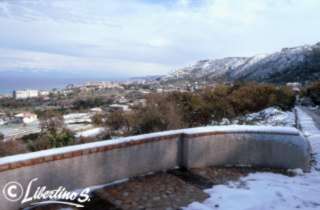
(99, 163)
(247, 149)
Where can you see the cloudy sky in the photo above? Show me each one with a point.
(124, 38)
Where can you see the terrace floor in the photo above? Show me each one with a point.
(169, 190)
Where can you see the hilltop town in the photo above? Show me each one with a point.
(21, 112)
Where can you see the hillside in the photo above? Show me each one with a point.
(299, 64)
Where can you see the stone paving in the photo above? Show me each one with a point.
(161, 191)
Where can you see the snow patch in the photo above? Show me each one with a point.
(271, 116)
(269, 190)
(90, 133)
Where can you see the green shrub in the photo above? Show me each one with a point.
(50, 140)
(53, 134)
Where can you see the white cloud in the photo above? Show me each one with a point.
(135, 37)
(19, 59)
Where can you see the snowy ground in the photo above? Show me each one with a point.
(259, 191)
(90, 133)
(271, 116)
(18, 130)
(79, 127)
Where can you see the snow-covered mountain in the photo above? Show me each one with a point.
(290, 64)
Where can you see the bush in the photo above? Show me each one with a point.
(255, 97)
(149, 120)
(192, 108)
(12, 147)
(46, 114)
(1, 136)
(285, 98)
(209, 105)
(117, 120)
(160, 113)
(61, 138)
(217, 102)
(97, 119)
(41, 143)
(90, 102)
(189, 109)
(53, 134)
(50, 140)
(313, 92)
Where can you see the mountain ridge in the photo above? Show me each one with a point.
(288, 65)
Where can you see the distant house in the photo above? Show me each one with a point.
(26, 117)
(24, 94)
(295, 86)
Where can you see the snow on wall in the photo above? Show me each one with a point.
(104, 162)
(199, 130)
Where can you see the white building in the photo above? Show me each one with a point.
(24, 94)
(295, 86)
(27, 117)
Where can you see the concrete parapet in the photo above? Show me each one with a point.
(99, 163)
